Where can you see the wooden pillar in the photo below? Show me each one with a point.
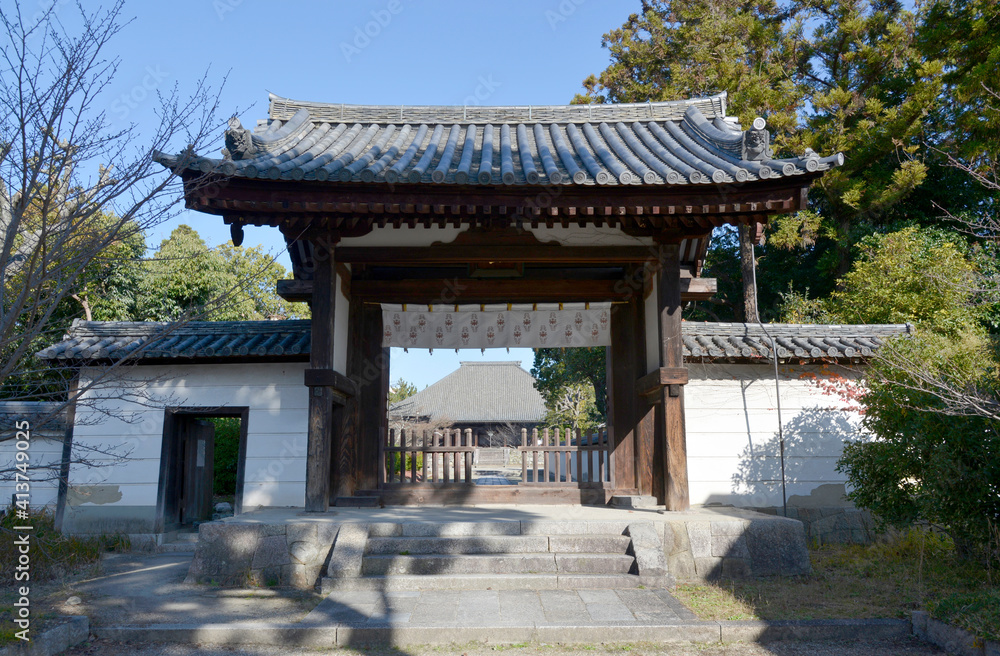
(367, 365)
(675, 484)
(321, 416)
(625, 364)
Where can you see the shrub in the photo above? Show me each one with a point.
(52, 553)
(227, 455)
(925, 463)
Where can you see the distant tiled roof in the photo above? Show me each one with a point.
(744, 341)
(113, 340)
(41, 416)
(289, 339)
(662, 143)
(478, 392)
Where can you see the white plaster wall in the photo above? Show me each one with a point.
(276, 429)
(405, 236)
(591, 236)
(44, 452)
(732, 434)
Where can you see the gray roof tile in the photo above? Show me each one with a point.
(661, 143)
(113, 340)
(289, 339)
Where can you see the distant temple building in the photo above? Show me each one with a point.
(495, 399)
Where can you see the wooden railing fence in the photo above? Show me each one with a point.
(560, 458)
(550, 457)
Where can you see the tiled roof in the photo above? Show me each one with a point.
(744, 341)
(113, 340)
(662, 143)
(478, 392)
(42, 416)
(96, 340)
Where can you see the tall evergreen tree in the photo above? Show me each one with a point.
(830, 75)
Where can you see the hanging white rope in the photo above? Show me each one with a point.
(497, 326)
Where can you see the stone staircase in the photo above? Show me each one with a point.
(497, 556)
(179, 542)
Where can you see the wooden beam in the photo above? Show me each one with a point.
(675, 485)
(271, 196)
(470, 290)
(544, 253)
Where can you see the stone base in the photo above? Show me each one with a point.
(739, 544)
(832, 524)
(286, 554)
(290, 548)
(633, 501)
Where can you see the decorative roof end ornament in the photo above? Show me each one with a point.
(239, 142)
(756, 142)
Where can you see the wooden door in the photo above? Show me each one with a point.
(198, 449)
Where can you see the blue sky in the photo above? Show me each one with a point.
(379, 52)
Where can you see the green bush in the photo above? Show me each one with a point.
(394, 462)
(227, 455)
(925, 463)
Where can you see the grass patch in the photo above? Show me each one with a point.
(52, 553)
(54, 557)
(976, 612)
(917, 570)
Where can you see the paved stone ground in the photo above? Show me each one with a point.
(499, 608)
(139, 589)
(905, 647)
(148, 590)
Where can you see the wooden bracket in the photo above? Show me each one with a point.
(343, 388)
(654, 381)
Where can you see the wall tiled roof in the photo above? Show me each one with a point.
(710, 341)
(113, 340)
(289, 339)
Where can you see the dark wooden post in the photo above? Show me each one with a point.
(625, 364)
(675, 484)
(367, 365)
(321, 397)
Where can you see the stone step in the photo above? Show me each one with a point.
(177, 547)
(452, 529)
(593, 544)
(497, 564)
(357, 502)
(594, 563)
(498, 544)
(551, 581)
(488, 544)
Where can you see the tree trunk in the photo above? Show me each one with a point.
(747, 234)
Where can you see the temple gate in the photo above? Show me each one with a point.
(462, 206)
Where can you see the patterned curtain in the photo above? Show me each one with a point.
(497, 326)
